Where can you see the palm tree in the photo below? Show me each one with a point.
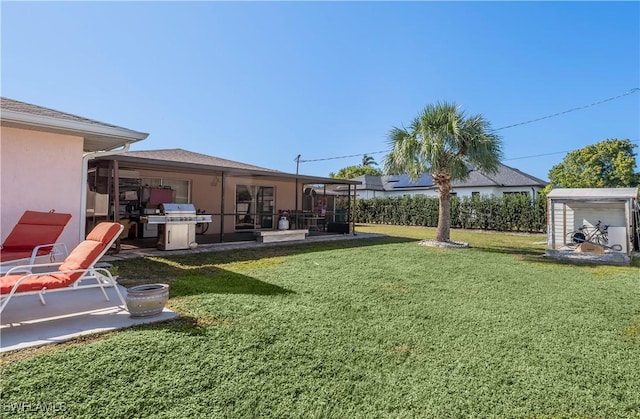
(442, 141)
(368, 161)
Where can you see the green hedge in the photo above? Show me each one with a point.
(512, 212)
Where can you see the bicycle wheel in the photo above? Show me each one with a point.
(602, 238)
(577, 237)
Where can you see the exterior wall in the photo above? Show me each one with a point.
(563, 215)
(206, 192)
(611, 214)
(366, 194)
(40, 171)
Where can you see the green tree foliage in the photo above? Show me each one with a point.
(607, 164)
(350, 172)
(444, 142)
(368, 161)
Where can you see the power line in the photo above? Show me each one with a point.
(636, 89)
(551, 154)
(537, 155)
(345, 157)
(629, 92)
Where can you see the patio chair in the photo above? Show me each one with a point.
(34, 236)
(77, 271)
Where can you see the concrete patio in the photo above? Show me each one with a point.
(27, 323)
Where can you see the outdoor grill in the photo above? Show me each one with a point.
(176, 225)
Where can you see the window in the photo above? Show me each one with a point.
(254, 207)
(180, 190)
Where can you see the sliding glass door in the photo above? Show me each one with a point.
(254, 207)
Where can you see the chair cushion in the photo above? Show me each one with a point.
(35, 228)
(86, 253)
(11, 254)
(83, 256)
(104, 232)
(35, 283)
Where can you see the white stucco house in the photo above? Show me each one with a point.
(43, 162)
(506, 180)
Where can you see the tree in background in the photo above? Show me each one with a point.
(444, 142)
(368, 161)
(350, 172)
(608, 164)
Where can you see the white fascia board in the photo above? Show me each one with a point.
(82, 128)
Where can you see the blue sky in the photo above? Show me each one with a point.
(261, 82)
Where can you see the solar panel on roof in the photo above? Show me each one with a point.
(424, 181)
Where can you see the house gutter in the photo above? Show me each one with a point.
(74, 127)
(83, 187)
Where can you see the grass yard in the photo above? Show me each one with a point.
(366, 328)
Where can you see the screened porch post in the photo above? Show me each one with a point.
(222, 182)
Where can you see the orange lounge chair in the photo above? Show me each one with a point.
(35, 235)
(77, 268)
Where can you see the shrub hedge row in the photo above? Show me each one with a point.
(512, 212)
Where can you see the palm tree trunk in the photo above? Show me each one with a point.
(443, 180)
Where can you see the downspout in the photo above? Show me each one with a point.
(83, 187)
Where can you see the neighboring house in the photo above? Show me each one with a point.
(506, 180)
(43, 157)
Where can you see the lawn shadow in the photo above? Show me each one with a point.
(520, 251)
(187, 280)
(170, 268)
(223, 282)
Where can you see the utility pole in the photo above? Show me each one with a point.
(297, 168)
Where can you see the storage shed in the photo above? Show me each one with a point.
(568, 210)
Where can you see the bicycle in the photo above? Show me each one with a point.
(597, 234)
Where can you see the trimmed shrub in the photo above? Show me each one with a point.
(511, 212)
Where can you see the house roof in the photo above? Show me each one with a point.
(98, 136)
(179, 155)
(505, 176)
(370, 182)
(189, 161)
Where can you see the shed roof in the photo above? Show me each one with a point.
(593, 193)
(98, 136)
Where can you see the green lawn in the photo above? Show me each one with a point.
(367, 328)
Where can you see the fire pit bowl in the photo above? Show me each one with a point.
(147, 300)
